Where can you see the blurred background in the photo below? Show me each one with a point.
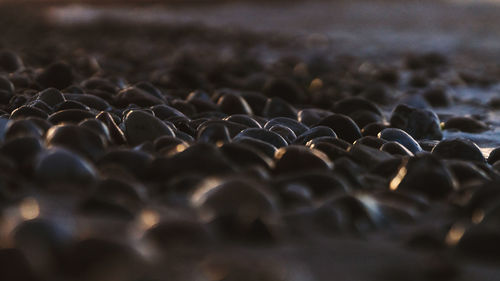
(464, 27)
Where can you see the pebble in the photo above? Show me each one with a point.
(284, 132)
(141, 127)
(343, 126)
(293, 124)
(400, 136)
(293, 159)
(465, 124)
(78, 139)
(395, 148)
(62, 166)
(234, 104)
(263, 135)
(424, 174)
(419, 123)
(58, 75)
(10, 61)
(277, 107)
(460, 149)
(51, 96)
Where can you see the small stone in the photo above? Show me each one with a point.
(460, 149)
(263, 147)
(91, 101)
(141, 127)
(284, 132)
(424, 174)
(58, 75)
(318, 131)
(293, 124)
(347, 106)
(395, 148)
(400, 136)
(164, 112)
(311, 116)
(373, 129)
(263, 135)
(81, 140)
(244, 120)
(343, 126)
(60, 165)
(276, 107)
(70, 116)
(285, 89)
(437, 96)
(419, 123)
(371, 142)
(22, 128)
(28, 111)
(51, 96)
(293, 159)
(465, 124)
(10, 61)
(214, 133)
(137, 96)
(234, 104)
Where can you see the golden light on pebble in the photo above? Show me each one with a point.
(394, 184)
(29, 208)
(477, 216)
(149, 218)
(219, 143)
(180, 148)
(316, 84)
(455, 234)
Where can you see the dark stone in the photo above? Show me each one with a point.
(70, 116)
(293, 124)
(343, 126)
(311, 116)
(494, 156)
(28, 111)
(419, 123)
(141, 127)
(319, 131)
(276, 107)
(22, 128)
(264, 147)
(437, 96)
(284, 132)
(60, 165)
(243, 120)
(245, 156)
(465, 124)
(132, 161)
(214, 133)
(51, 96)
(91, 101)
(424, 174)
(285, 89)
(294, 159)
(164, 112)
(78, 139)
(116, 134)
(460, 149)
(350, 105)
(400, 136)
(395, 148)
(58, 75)
(137, 96)
(371, 142)
(263, 135)
(10, 61)
(234, 104)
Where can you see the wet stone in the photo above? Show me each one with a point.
(395, 148)
(276, 107)
(243, 120)
(6, 85)
(28, 111)
(319, 131)
(263, 135)
(400, 136)
(351, 105)
(217, 134)
(494, 156)
(132, 161)
(465, 124)
(343, 126)
(58, 75)
(371, 142)
(60, 165)
(285, 89)
(141, 126)
(81, 140)
(70, 116)
(284, 132)
(460, 149)
(424, 174)
(245, 156)
(22, 128)
(137, 96)
(164, 112)
(293, 159)
(312, 116)
(234, 104)
(70, 104)
(10, 61)
(51, 96)
(293, 124)
(264, 147)
(91, 101)
(419, 123)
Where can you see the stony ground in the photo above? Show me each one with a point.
(319, 142)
